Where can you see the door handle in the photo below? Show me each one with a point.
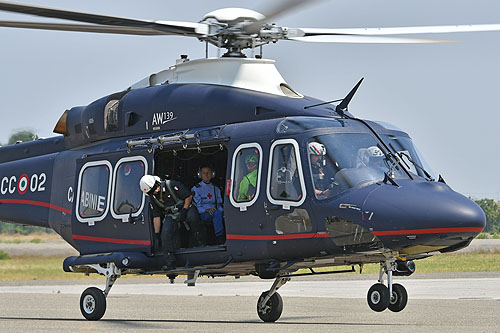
(133, 220)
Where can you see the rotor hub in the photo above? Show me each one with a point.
(233, 15)
(236, 29)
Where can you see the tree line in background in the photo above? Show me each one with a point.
(489, 206)
(21, 136)
(12, 228)
(492, 212)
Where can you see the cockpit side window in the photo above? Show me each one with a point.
(285, 179)
(245, 175)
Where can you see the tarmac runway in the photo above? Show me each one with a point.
(469, 302)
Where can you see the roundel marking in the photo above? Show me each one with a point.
(23, 183)
(128, 169)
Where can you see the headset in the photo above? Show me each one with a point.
(206, 166)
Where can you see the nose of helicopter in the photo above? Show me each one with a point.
(428, 215)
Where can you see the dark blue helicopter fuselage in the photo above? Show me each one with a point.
(41, 181)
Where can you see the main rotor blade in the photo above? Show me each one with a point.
(361, 39)
(305, 32)
(278, 9)
(105, 29)
(101, 19)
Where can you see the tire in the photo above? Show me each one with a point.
(93, 303)
(273, 308)
(378, 297)
(399, 298)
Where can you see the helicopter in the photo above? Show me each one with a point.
(381, 203)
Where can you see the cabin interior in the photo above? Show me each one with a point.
(183, 165)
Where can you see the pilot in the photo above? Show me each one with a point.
(317, 152)
(208, 199)
(248, 184)
(370, 157)
(170, 200)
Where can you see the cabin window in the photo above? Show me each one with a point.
(285, 179)
(245, 175)
(127, 197)
(93, 195)
(295, 222)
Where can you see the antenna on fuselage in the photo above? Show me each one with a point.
(344, 102)
(343, 106)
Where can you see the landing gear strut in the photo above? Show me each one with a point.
(270, 303)
(93, 300)
(394, 296)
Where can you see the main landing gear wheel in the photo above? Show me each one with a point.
(93, 303)
(272, 310)
(378, 297)
(399, 298)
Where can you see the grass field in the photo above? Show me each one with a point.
(36, 237)
(50, 268)
(466, 262)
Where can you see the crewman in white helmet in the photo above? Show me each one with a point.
(370, 157)
(170, 200)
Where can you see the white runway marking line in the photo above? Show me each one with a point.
(487, 288)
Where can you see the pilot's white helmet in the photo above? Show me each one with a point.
(148, 183)
(316, 148)
(374, 152)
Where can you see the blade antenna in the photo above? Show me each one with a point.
(343, 106)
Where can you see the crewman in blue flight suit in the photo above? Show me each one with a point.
(208, 199)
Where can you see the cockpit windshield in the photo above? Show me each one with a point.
(410, 155)
(346, 160)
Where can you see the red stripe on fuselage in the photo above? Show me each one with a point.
(376, 233)
(426, 231)
(36, 203)
(278, 237)
(112, 240)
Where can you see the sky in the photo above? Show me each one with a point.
(445, 95)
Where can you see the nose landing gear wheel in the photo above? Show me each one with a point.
(378, 297)
(272, 310)
(93, 303)
(399, 298)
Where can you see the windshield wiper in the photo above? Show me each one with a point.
(395, 164)
(394, 160)
(418, 166)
